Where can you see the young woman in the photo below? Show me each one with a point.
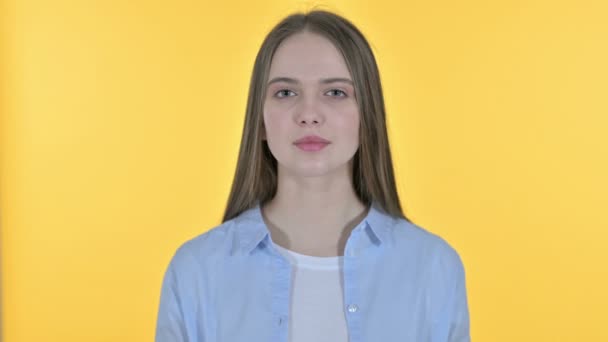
(314, 245)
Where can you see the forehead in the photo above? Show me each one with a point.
(308, 56)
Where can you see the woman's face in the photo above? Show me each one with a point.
(314, 96)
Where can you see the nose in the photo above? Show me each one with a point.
(309, 113)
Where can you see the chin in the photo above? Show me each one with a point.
(314, 169)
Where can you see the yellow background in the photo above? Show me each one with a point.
(121, 122)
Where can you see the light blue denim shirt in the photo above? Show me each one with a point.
(230, 284)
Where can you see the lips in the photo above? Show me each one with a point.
(311, 143)
(311, 146)
(311, 139)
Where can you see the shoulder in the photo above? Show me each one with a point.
(428, 247)
(203, 249)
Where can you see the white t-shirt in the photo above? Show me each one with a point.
(317, 298)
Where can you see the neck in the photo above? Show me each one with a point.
(314, 215)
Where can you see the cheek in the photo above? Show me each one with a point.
(354, 131)
(274, 121)
(351, 126)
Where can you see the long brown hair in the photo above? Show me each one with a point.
(255, 179)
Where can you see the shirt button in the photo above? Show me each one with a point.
(353, 308)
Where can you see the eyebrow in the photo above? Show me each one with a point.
(322, 81)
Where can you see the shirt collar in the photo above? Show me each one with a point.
(251, 230)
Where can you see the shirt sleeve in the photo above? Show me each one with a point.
(452, 325)
(459, 323)
(170, 325)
